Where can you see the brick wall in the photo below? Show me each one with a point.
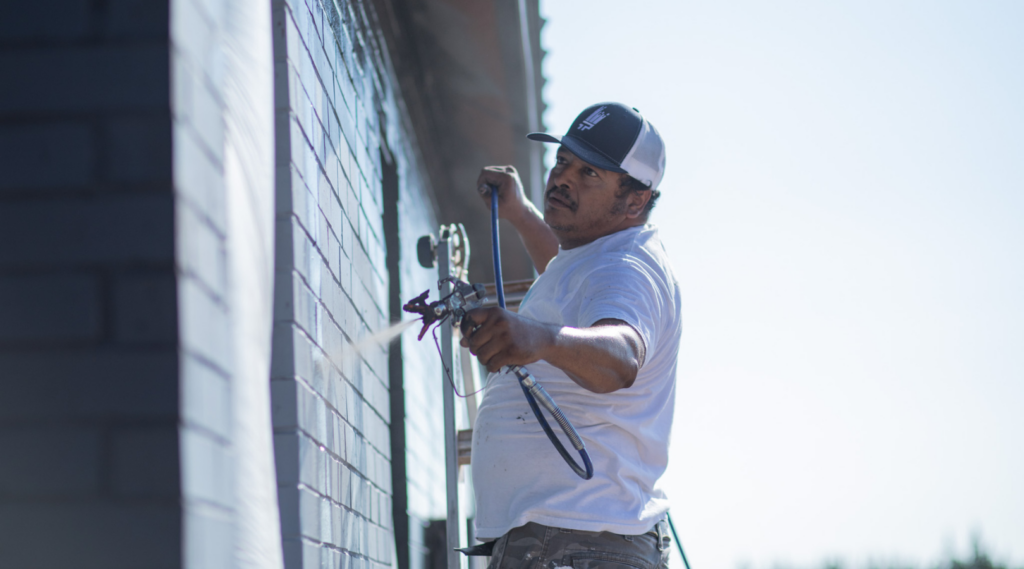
(130, 416)
(208, 502)
(88, 357)
(222, 103)
(336, 108)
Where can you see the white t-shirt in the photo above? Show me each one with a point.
(518, 475)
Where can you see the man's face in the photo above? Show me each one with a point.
(581, 203)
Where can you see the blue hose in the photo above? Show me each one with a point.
(496, 247)
(531, 389)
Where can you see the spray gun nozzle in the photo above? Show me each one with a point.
(426, 311)
(464, 297)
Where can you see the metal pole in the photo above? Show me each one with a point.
(451, 443)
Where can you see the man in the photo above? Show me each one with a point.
(600, 330)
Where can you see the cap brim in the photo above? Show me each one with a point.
(544, 137)
(580, 148)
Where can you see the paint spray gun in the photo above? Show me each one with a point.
(464, 297)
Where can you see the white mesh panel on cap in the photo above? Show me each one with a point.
(646, 160)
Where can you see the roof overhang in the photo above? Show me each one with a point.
(470, 76)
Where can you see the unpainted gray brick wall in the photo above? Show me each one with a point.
(88, 394)
(335, 96)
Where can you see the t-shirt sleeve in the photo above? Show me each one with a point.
(625, 290)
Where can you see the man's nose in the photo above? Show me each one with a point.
(559, 179)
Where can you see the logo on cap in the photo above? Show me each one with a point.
(594, 118)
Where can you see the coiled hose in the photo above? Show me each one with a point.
(533, 391)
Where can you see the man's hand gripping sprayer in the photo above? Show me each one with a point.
(466, 297)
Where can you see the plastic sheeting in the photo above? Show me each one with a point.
(249, 181)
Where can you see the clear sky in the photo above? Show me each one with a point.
(844, 206)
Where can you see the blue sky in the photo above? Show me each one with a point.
(843, 203)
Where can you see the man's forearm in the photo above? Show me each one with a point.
(602, 359)
(540, 242)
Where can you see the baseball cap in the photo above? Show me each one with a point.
(615, 137)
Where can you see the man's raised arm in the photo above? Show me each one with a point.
(541, 243)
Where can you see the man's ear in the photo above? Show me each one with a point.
(636, 202)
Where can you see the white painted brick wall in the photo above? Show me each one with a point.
(204, 315)
(222, 137)
(332, 407)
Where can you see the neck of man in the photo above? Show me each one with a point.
(570, 240)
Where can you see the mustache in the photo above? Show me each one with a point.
(562, 193)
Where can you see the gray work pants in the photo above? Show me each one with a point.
(536, 546)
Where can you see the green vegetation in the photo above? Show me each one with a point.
(979, 559)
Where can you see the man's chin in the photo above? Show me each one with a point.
(554, 212)
(551, 218)
(558, 223)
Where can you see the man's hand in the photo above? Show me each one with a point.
(603, 358)
(501, 338)
(541, 243)
(512, 202)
